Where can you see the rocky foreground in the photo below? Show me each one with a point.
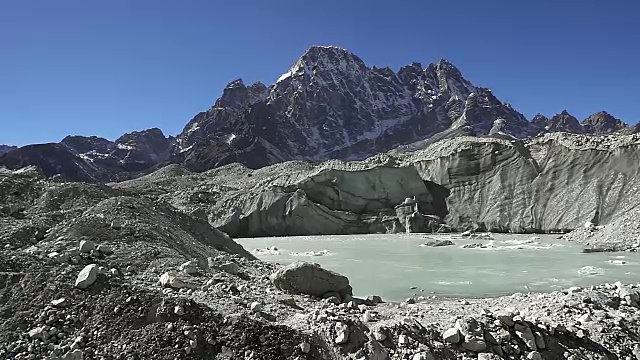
(98, 272)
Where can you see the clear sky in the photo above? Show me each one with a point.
(108, 67)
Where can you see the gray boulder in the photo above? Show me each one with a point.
(189, 267)
(308, 278)
(451, 336)
(87, 276)
(174, 279)
(86, 246)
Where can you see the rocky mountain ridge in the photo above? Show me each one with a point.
(95, 159)
(6, 148)
(328, 105)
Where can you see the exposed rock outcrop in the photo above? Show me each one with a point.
(94, 159)
(602, 123)
(564, 122)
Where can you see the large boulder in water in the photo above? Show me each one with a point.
(310, 279)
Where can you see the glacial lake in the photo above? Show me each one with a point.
(390, 265)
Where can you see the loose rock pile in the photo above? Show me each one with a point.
(104, 274)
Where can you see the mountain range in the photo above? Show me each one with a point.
(329, 104)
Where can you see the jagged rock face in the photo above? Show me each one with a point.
(485, 114)
(94, 159)
(135, 151)
(6, 148)
(331, 105)
(539, 122)
(140, 150)
(564, 122)
(602, 123)
(52, 159)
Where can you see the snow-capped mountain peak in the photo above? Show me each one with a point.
(328, 105)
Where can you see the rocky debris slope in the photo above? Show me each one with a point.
(103, 273)
(620, 234)
(297, 198)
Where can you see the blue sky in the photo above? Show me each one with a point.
(108, 67)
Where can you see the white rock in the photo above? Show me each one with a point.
(403, 340)
(178, 310)
(367, 316)
(534, 355)
(58, 257)
(574, 289)
(342, 331)
(451, 336)
(62, 302)
(256, 306)
(86, 246)
(189, 267)
(36, 333)
(171, 279)
(87, 276)
(584, 318)
(305, 347)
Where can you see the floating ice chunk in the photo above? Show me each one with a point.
(272, 250)
(311, 253)
(443, 282)
(590, 271)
